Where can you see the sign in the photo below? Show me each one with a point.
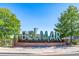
(42, 36)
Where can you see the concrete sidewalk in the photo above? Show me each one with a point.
(40, 51)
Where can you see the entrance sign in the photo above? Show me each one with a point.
(32, 35)
(54, 36)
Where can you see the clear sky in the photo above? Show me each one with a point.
(41, 16)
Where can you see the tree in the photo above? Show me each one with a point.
(1, 24)
(9, 24)
(68, 25)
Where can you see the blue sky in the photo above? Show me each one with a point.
(41, 16)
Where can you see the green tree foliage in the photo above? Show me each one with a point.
(69, 22)
(9, 24)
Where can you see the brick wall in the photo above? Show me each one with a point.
(27, 44)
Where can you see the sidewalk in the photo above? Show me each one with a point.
(42, 51)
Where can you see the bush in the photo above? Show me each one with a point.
(75, 42)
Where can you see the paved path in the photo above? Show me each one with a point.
(18, 54)
(77, 54)
(39, 51)
(30, 54)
